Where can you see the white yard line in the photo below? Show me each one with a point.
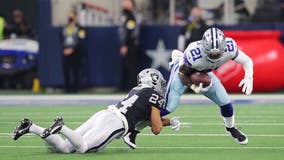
(184, 124)
(215, 135)
(168, 147)
(84, 114)
(267, 116)
(176, 135)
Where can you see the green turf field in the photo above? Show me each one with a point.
(201, 136)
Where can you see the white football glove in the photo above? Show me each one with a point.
(200, 89)
(247, 84)
(175, 123)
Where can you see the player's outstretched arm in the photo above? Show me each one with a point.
(156, 121)
(247, 63)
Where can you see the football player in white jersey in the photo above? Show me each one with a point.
(205, 56)
(143, 103)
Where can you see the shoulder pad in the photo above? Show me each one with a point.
(231, 45)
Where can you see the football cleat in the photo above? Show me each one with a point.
(239, 136)
(54, 128)
(22, 129)
(129, 139)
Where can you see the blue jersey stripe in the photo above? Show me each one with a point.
(211, 29)
(186, 61)
(216, 38)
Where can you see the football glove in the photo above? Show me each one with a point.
(175, 123)
(247, 84)
(200, 88)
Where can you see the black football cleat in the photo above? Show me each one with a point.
(22, 129)
(54, 128)
(129, 139)
(239, 136)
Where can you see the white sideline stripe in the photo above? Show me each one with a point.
(34, 100)
(116, 96)
(163, 147)
(181, 134)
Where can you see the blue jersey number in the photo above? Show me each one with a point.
(230, 46)
(195, 54)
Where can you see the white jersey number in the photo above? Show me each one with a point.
(128, 103)
(195, 54)
(154, 98)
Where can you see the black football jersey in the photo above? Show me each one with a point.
(137, 105)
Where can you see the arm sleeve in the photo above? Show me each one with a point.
(247, 63)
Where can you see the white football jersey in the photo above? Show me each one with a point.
(194, 56)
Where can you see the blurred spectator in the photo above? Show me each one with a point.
(241, 10)
(160, 11)
(281, 4)
(193, 29)
(72, 36)
(19, 27)
(267, 11)
(91, 14)
(129, 32)
(2, 24)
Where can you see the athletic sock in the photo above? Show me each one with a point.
(59, 144)
(35, 129)
(229, 121)
(227, 111)
(54, 140)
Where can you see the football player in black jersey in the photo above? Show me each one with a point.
(149, 77)
(142, 104)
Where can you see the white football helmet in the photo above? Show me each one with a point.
(152, 78)
(214, 43)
